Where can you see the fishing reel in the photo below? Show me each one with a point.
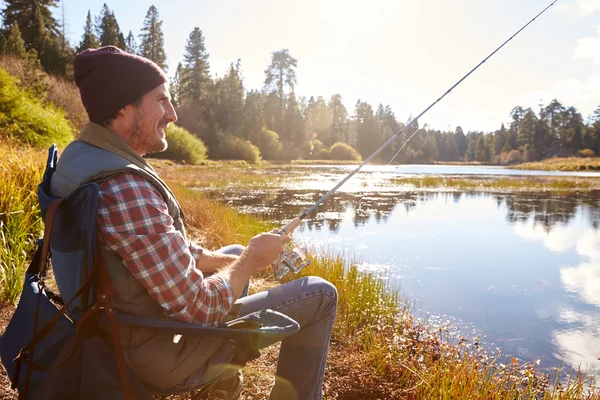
(294, 257)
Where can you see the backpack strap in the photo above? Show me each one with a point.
(105, 292)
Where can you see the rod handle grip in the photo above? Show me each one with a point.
(293, 224)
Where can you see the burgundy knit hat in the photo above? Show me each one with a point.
(109, 79)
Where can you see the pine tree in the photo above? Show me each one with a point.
(339, 119)
(175, 86)
(107, 29)
(14, 44)
(279, 74)
(229, 96)
(88, 39)
(152, 41)
(195, 80)
(130, 44)
(34, 19)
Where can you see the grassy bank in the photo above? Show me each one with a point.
(513, 184)
(379, 349)
(562, 164)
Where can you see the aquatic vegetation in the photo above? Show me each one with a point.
(493, 183)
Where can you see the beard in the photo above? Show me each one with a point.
(146, 135)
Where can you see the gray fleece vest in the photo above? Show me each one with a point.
(154, 357)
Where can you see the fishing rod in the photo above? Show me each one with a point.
(295, 258)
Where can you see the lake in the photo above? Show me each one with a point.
(520, 271)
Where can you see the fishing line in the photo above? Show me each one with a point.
(281, 270)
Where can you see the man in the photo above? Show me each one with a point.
(155, 270)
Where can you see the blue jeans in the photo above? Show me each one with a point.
(312, 302)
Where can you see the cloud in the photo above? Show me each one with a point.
(581, 8)
(589, 48)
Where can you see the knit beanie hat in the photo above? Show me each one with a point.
(109, 79)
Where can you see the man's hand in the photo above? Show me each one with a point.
(263, 250)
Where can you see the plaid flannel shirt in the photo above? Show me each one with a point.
(134, 223)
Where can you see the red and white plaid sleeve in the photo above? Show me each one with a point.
(134, 223)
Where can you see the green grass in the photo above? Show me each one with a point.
(527, 184)
(20, 223)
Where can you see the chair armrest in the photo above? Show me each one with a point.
(264, 323)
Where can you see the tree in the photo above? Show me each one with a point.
(368, 136)
(461, 142)
(35, 20)
(88, 39)
(175, 86)
(14, 44)
(319, 118)
(152, 40)
(229, 101)
(294, 123)
(130, 44)
(107, 29)
(338, 131)
(279, 74)
(195, 80)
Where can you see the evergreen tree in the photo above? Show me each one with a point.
(175, 86)
(35, 20)
(195, 80)
(368, 136)
(279, 74)
(151, 39)
(338, 130)
(14, 44)
(130, 44)
(461, 142)
(229, 96)
(319, 118)
(88, 39)
(107, 29)
(294, 123)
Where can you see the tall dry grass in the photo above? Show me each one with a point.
(20, 223)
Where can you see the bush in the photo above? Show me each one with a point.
(59, 91)
(268, 143)
(342, 151)
(183, 147)
(514, 157)
(316, 151)
(25, 118)
(230, 147)
(586, 153)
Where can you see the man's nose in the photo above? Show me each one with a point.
(171, 115)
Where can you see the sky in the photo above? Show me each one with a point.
(400, 53)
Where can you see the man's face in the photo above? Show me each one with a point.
(149, 120)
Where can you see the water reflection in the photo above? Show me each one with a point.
(523, 268)
(579, 340)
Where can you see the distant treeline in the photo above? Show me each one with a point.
(272, 123)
